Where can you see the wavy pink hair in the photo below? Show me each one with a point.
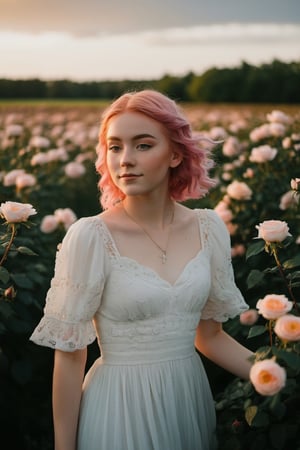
(188, 180)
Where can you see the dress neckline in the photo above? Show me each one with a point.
(115, 255)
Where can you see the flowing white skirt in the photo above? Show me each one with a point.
(155, 406)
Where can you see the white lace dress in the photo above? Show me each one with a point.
(148, 390)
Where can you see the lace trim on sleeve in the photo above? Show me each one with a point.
(66, 336)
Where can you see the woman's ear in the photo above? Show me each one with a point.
(176, 159)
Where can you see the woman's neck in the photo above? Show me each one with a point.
(157, 214)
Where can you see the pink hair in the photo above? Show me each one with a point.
(188, 180)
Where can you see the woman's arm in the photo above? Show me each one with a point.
(67, 386)
(222, 349)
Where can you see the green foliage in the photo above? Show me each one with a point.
(277, 82)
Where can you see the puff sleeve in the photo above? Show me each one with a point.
(75, 291)
(225, 299)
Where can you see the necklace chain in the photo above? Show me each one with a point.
(163, 251)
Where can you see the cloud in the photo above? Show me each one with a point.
(96, 17)
(225, 33)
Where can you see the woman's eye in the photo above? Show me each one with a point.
(143, 146)
(114, 148)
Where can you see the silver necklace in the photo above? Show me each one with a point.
(163, 255)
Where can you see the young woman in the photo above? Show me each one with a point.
(152, 280)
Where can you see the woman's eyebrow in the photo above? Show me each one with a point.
(134, 138)
(143, 135)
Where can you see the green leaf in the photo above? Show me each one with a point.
(256, 330)
(255, 277)
(290, 358)
(22, 280)
(261, 419)
(293, 262)
(4, 275)
(26, 251)
(255, 248)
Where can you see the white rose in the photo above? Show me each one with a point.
(273, 230)
(14, 212)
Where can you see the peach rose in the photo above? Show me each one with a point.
(287, 327)
(239, 190)
(14, 212)
(249, 317)
(262, 154)
(273, 306)
(267, 377)
(273, 230)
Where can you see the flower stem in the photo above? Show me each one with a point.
(6, 251)
(281, 271)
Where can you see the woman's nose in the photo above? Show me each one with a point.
(127, 158)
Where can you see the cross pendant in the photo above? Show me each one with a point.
(163, 257)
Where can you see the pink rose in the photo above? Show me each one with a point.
(277, 129)
(249, 173)
(262, 154)
(223, 211)
(14, 130)
(249, 317)
(39, 159)
(10, 178)
(287, 143)
(74, 169)
(238, 250)
(239, 190)
(273, 230)
(273, 306)
(287, 327)
(49, 224)
(25, 180)
(261, 132)
(287, 200)
(295, 183)
(231, 146)
(279, 117)
(14, 212)
(267, 377)
(39, 142)
(65, 216)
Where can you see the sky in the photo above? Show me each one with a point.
(85, 40)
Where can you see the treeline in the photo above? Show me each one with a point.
(277, 82)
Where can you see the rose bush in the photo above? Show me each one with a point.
(42, 144)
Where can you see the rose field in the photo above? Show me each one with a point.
(48, 181)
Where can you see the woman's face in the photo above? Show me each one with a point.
(139, 154)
